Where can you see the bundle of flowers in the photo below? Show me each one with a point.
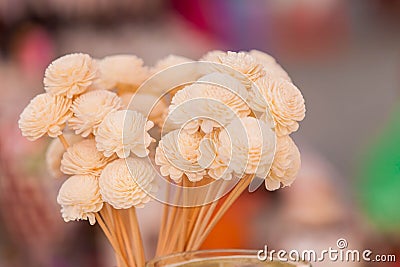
(191, 134)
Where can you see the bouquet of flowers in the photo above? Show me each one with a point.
(192, 135)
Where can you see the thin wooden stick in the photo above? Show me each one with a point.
(232, 196)
(63, 141)
(161, 233)
(204, 217)
(137, 237)
(126, 239)
(107, 233)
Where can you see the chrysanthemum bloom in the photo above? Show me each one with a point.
(45, 114)
(80, 198)
(123, 132)
(247, 146)
(148, 105)
(270, 65)
(70, 75)
(215, 105)
(210, 158)
(129, 182)
(125, 72)
(177, 155)
(285, 166)
(55, 153)
(169, 61)
(284, 100)
(241, 66)
(84, 158)
(90, 109)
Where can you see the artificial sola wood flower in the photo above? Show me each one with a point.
(284, 101)
(210, 157)
(215, 96)
(80, 198)
(177, 155)
(70, 75)
(129, 182)
(124, 72)
(123, 132)
(84, 158)
(239, 65)
(149, 105)
(45, 114)
(169, 61)
(90, 109)
(55, 153)
(270, 64)
(247, 146)
(286, 164)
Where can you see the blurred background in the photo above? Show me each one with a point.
(343, 55)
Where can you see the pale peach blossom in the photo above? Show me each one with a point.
(270, 64)
(90, 109)
(70, 75)
(129, 182)
(45, 114)
(285, 166)
(80, 198)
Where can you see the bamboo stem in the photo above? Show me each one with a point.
(112, 241)
(137, 238)
(232, 196)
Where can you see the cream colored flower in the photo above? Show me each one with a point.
(123, 132)
(210, 158)
(148, 105)
(214, 105)
(177, 155)
(241, 66)
(270, 64)
(124, 72)
(80, 198)
(84, 158)
(247, 146)
(90, 109)
(129, 182)
(285, 166)
(169, 61)
(55, 153)
(212, 56)
(45, 114)
(284, 100)
(70, 75)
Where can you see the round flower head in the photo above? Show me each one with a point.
(284, 100)
(123, 132)
(285, 166)
(270, 64)
(148, 105)
(169, 61)
(177, 155)
(45, 114)
(125, 72)
(129, 182)
(70, 75)
(241, 66)
(216, 103)
(55, 153)
(84, 158)
(80, 198)
(247, 146)
(211, 159)
(90, 109)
